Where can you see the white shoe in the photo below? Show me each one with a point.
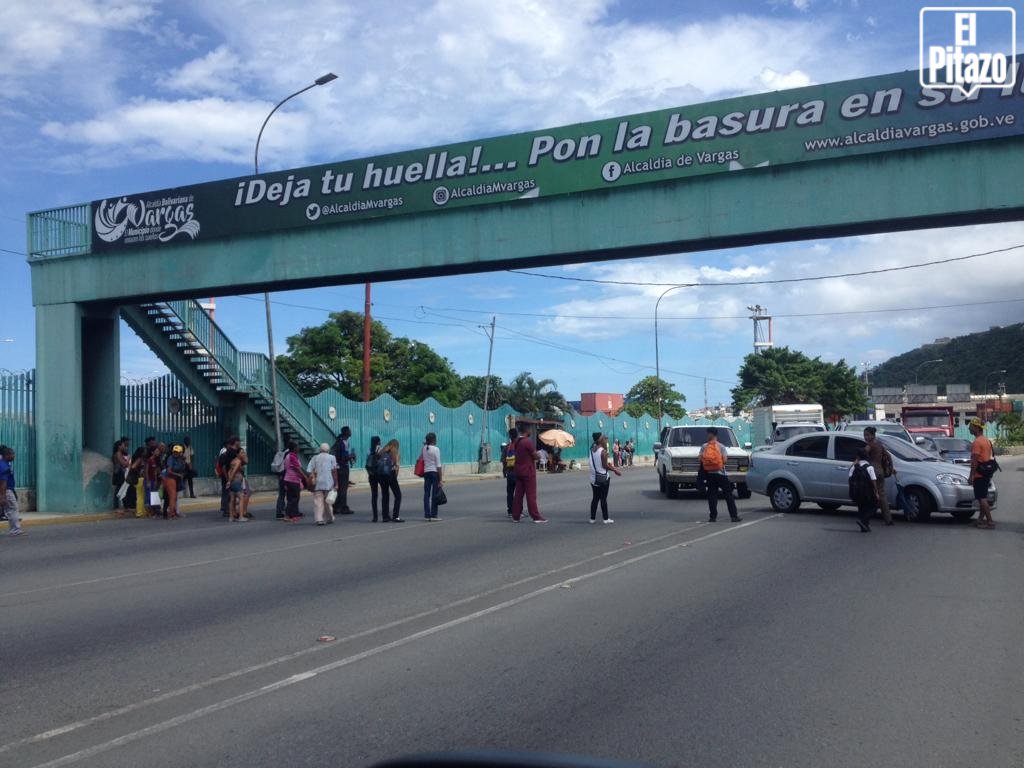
(608, 521)
(592, 521)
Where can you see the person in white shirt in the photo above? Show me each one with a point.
(863, 489)
(432, 472)
(325, 468)
(600, 481)
(542, 459)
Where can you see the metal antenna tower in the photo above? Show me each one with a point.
(762, 323)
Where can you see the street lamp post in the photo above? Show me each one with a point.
(998, 372)
(657, 357)
(917, 370)
(322, 80)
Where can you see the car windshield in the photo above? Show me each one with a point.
(926, 420)
(952, 444)
(904, 450)
(685, 436)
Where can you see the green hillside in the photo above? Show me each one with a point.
(973, 359)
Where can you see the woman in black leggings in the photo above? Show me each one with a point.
(375, 480)
(600, 480)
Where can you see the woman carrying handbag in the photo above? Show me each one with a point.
(600, 480)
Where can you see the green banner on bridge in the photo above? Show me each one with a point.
(819, 122)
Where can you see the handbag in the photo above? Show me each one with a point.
(154, 498)
(901, 499)
(122, 491)
(332, 496)
(420, 469)
(988, 468)
(440, 497)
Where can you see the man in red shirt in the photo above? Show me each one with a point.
(526, 477)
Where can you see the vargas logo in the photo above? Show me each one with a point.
(141, 221)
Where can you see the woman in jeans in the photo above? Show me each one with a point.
(431, 476)
(294, 480)
(388, 464)
(599, 479)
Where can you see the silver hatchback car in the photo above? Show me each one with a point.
(815, 468)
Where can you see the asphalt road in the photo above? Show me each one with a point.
(661, 639)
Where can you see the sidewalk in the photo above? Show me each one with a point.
(201, 504)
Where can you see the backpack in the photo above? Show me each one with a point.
(711, 458)
(372, 463)
(277, 465)
(862, 488)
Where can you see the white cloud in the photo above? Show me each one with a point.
(412, 75)
(218, 72)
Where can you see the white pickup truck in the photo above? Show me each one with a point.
(676, 459)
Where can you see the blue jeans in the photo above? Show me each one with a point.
(430, 486)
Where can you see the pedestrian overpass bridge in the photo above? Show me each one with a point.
(872, 155)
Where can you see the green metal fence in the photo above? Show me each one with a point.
(17, 423)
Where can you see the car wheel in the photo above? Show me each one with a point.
(919, 505)
(828, 506)
(743, 492)
(661, 483)
(963, 515)
(672, 490)
(784, 497)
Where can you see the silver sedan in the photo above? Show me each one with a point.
(815, 468)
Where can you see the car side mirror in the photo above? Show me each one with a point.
(919, 440)
(657, 446)
(747, 446)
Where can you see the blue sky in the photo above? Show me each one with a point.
(105, 98)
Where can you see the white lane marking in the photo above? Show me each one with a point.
(214, 561)
(349, 660)
(60, 730)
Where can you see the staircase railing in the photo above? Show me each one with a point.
(205, 331)
(255, 374)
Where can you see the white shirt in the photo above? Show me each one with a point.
(595, 465)
(322, 464)
(431, 458)
(542, 456)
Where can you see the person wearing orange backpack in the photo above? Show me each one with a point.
(712, 462)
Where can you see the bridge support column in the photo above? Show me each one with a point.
(78, 407)
(236, 416)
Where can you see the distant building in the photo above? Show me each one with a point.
(605, 402)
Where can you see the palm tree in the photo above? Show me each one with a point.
(528, 395)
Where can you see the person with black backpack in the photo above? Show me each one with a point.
(863, 489)
(375, 477)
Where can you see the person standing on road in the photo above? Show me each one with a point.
(189, 455)
(712, 462)
(432, 476)
(881, 461)
(863, 489)
(323, 468)
(600, 480)
(120, 461)
(388, 464)
(983, 465)
(294, 481)
(234, 475)
(346, 458)
(173, 475)
(225, 458)
(373, 477)
(508, 469)
(8, 496)
(526, 477)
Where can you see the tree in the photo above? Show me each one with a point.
(654, 396)
(781, 376)
(472, 388)
(528, 395)
(331, 355)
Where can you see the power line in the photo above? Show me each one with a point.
(548, 316)
(880, 271)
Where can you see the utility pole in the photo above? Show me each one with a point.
(705, 394)
(366, 346)
(485, 448)
(760, 315)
